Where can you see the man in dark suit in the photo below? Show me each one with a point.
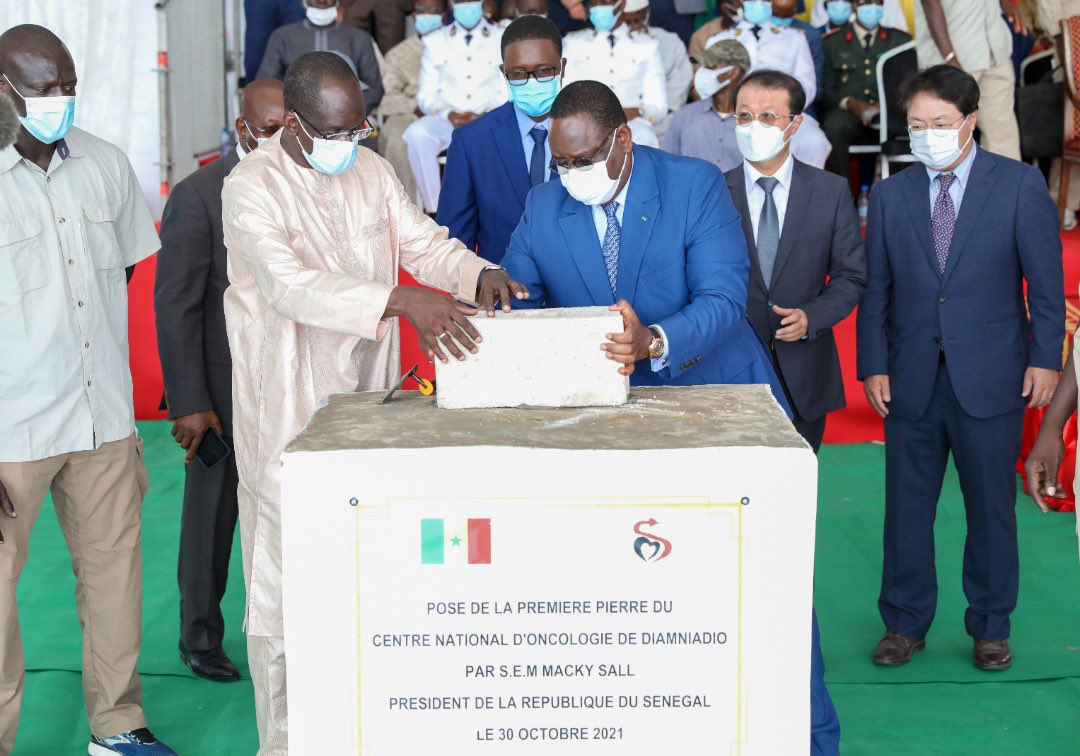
(484, 189)
(949, 355)
(807, 264)
(188, 291)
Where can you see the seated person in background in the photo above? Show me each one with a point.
(784, 15)
(849, 100)
(459, 82)
(493, 15)
(568, 15)
(705, 129)
(630, 64)
(678, 72)
(401, 77)
(495, 161)
(514, 9)
(322, 31)
(383, 19)
(827, 14)
(780, 48)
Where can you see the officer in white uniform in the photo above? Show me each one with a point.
(783, 48)
(678, 73)
(459, 76)
(630, 64)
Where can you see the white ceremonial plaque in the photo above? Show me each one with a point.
(611, 580)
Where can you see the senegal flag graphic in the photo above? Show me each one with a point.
(441, 543)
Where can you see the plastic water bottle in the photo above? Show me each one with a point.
(863, 205)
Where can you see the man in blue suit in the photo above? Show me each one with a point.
(483, 191)
(655, 236)
(949, 354)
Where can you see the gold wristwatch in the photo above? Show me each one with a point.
(656, 346)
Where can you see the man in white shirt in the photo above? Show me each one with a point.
(459, 82)
(782, 48)
(630, 64)
(972, 36)
(678, 72)
(72, 219)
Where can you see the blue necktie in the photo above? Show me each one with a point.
(768, 235)
(612, 240)
(537, 164)
(943, 221)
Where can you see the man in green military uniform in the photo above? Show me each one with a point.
(849, 87)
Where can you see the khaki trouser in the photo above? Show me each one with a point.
(997, 117)
(97, 496)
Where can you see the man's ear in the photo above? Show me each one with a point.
(290, 122)
(796, 122)
(625, 138)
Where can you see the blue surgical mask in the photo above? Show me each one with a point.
(468, 14)
(839, 12)
(427, 22)
(869, 16)
(783, 21)
(603, 17)
(47, 118)
(330, 156)
(757, 12)
(534, 98)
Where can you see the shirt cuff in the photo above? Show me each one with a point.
(661, 362)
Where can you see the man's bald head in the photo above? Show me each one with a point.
(36, 62)
(262, 112)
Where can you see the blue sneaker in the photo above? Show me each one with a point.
(140, 742)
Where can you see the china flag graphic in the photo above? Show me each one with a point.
(441, 543)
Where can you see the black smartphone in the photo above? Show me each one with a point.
(213, 450)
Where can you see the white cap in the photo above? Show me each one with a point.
(633, 6)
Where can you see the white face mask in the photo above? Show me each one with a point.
(592, 185)
(322, 16)
(758, 142)
(938, 148)
(706, 83)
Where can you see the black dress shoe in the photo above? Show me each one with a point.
(896, 649)
(993, 656)
(213, 665)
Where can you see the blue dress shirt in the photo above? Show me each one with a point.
(525, 125)
(956, 190)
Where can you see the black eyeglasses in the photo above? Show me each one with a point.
(259, 130)
(360, 133)
(544, 74)
(584, 164)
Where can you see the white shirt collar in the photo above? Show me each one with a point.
(783, 175)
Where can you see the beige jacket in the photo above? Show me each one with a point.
(312, 262)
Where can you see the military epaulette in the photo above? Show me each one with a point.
(830, 32)
(778, 29)
(738, 32)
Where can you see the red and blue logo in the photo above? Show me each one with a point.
(648, 546)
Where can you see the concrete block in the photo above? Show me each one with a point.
(537, 358)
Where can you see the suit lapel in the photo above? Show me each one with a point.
(736, 181)
(799, 194)
(508, 140)
(917, 199)
(230, 161)
(980, 184)
(579, 232)
(639, 217)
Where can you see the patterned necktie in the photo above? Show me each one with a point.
(768, 234)
(943, 222)
(612, 240)
(537, 164)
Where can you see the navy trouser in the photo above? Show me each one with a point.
(985, 451)
(263, 16)
(662, 13)
(824, 722)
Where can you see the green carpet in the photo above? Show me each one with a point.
(937, 704)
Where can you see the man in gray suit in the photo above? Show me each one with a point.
(194, 350)
(807, 263)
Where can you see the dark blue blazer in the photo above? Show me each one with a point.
(1006, 233)
(682, 266)
(485, 183)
